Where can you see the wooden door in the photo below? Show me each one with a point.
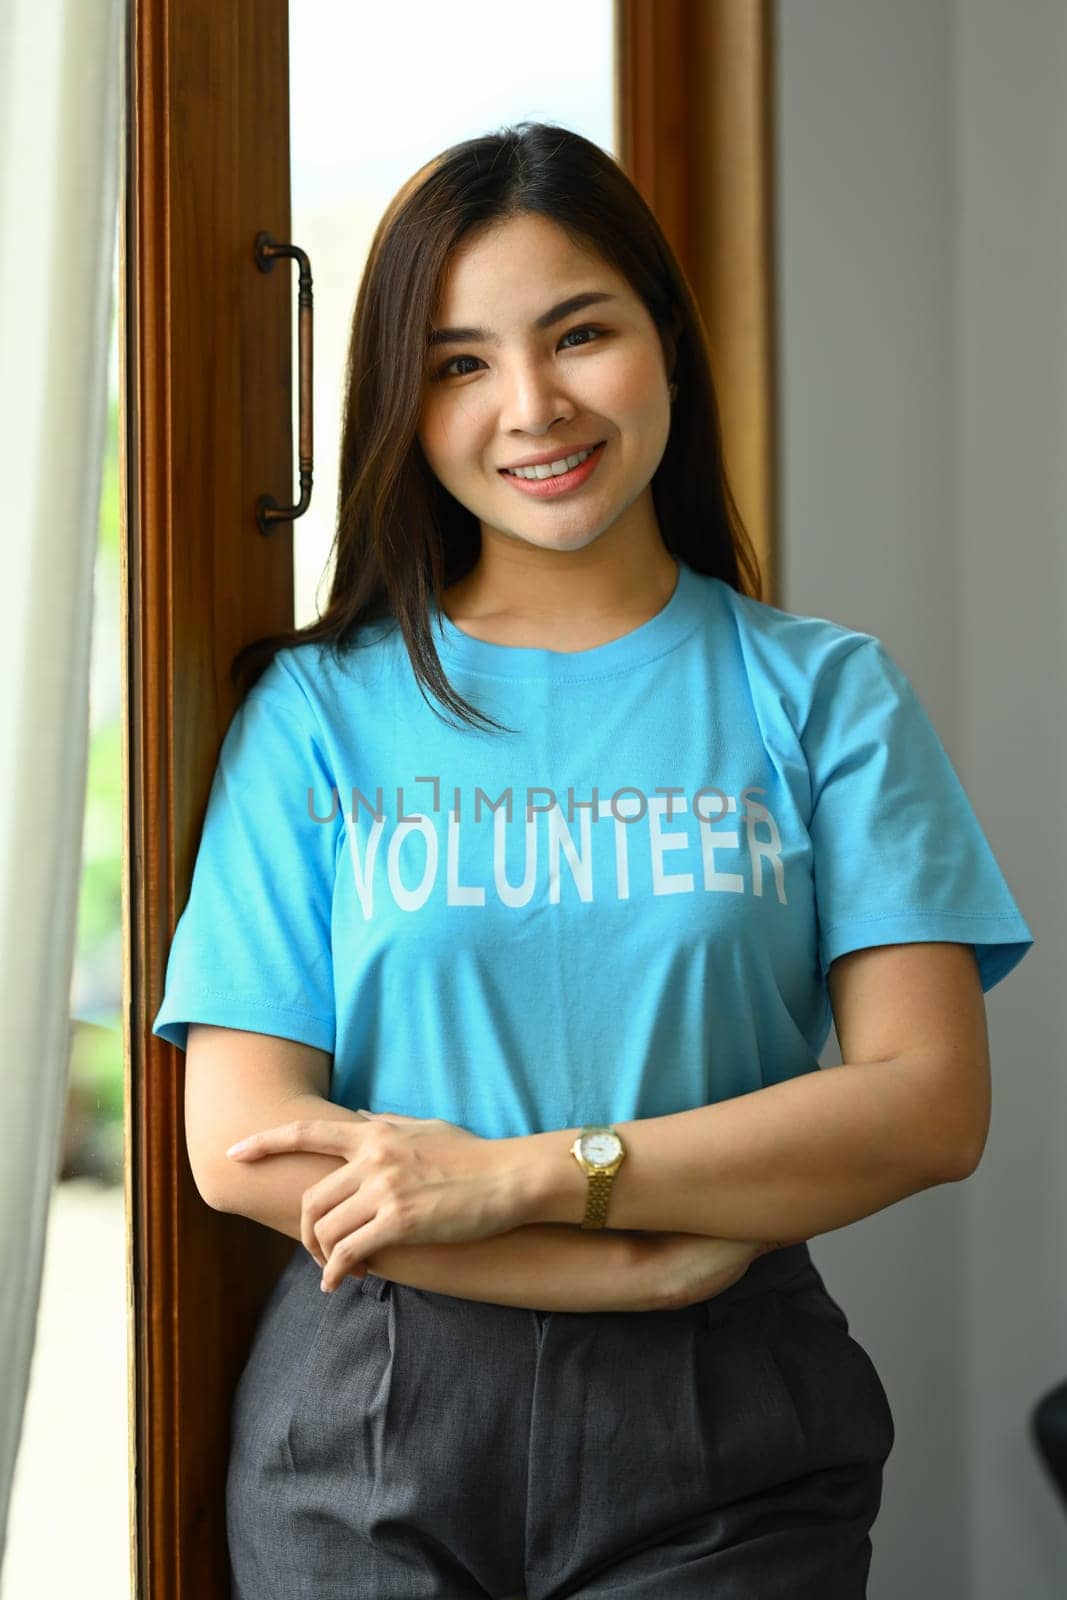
(206, 342)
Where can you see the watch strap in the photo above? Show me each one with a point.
(596, 1200)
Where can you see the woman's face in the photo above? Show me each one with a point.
(595, 376)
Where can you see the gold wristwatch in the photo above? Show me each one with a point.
(599, 1152)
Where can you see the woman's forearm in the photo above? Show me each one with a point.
(546, 1266)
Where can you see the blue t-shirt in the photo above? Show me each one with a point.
(626, 908)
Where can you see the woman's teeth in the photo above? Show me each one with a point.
(550, 469)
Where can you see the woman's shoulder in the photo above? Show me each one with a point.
(308, 676)
(797, 630)
(794, 652)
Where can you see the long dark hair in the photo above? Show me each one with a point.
(401, 538)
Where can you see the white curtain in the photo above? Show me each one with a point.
(62, 71)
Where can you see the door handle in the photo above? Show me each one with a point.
(268, 512)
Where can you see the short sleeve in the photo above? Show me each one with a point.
(252, 948)
(899, 855)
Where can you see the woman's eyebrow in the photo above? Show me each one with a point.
(576, 302)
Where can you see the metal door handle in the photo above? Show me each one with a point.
(268, 512)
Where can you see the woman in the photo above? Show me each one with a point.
(522, 1008)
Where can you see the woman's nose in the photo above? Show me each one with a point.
(532, 400)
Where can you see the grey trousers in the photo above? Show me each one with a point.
(389, 1443)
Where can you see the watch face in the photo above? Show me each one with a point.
(601, 1148)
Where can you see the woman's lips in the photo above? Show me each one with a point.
(549, 488)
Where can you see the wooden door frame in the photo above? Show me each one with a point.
(694, 130)
(204, 337)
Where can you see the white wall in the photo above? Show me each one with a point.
(1010, 133)
(922, 192)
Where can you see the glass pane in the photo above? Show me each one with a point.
(375, 91)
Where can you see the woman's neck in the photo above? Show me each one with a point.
(571, 617)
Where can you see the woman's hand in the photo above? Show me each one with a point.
(690, 1266)
(405, 1180)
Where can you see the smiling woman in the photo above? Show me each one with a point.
(547, 1025)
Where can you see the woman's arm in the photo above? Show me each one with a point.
(548, 1272)
(547, 1266)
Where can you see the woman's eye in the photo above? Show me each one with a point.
(443, 372)
(446, 372)
(594, 331)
